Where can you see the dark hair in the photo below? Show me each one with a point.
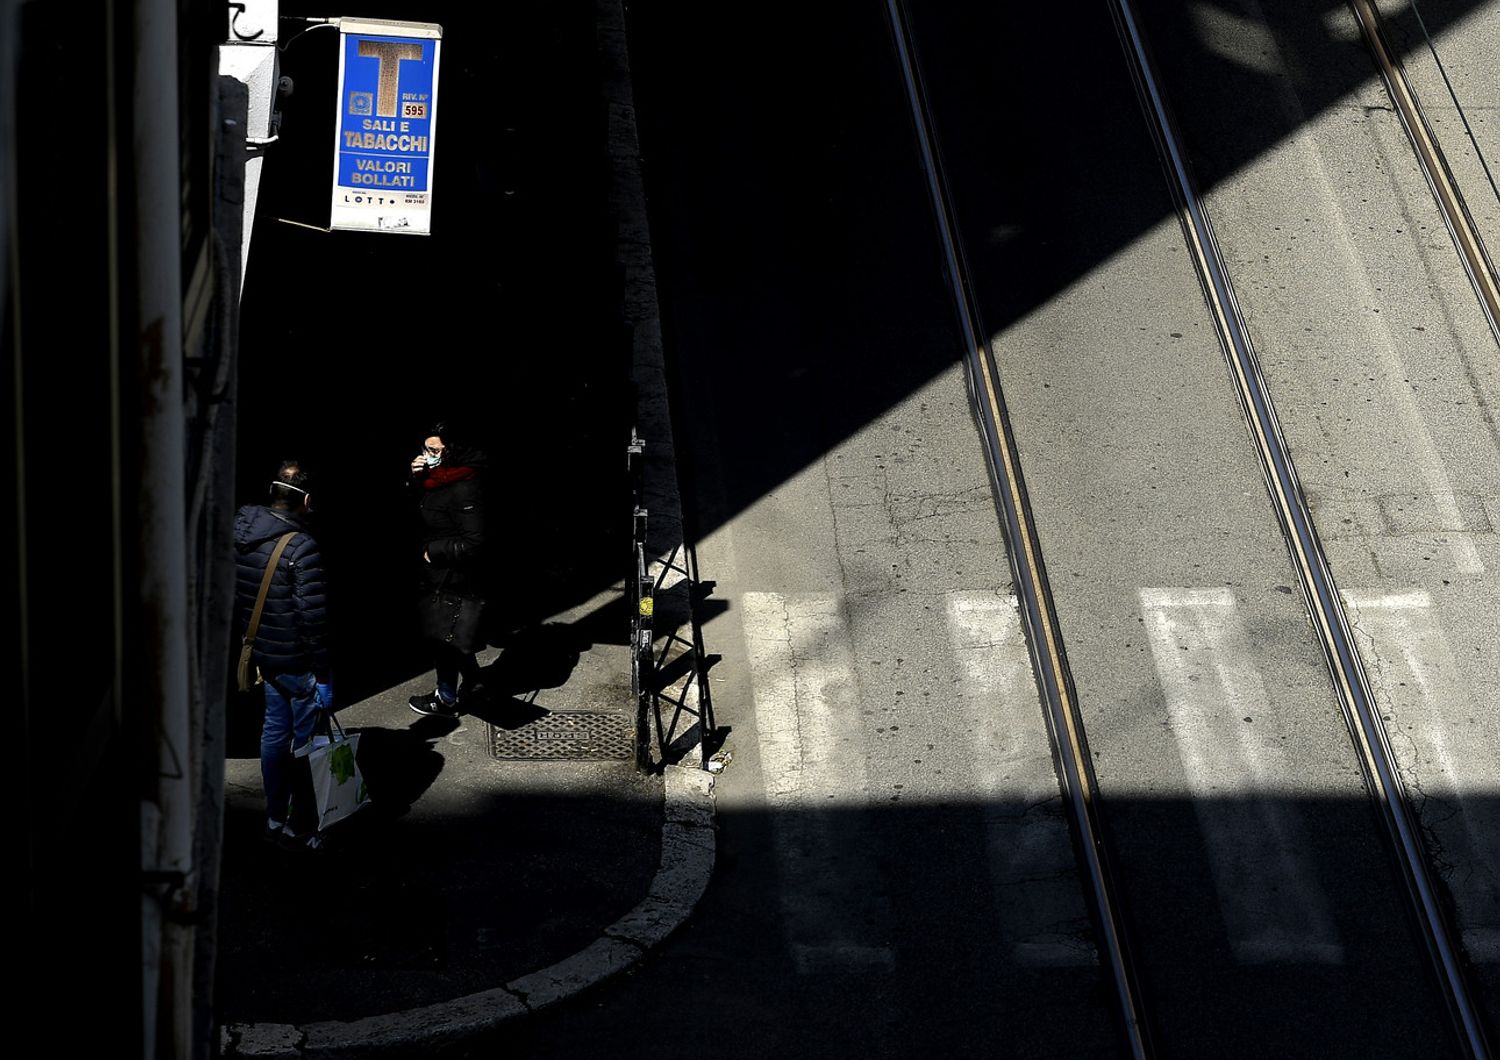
(291, 484)
(449, 430)
(462, 446)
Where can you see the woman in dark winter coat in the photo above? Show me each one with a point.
(447, 478)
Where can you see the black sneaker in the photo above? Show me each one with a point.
(434, 705)
(286, 837)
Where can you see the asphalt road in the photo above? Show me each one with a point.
(895, 871)
(1386, 376)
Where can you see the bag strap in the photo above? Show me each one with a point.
(265, 586)
(328, 725)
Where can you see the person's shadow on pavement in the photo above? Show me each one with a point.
(534, 658)
(398, 766)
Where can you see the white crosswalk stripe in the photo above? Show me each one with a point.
(1420, 686)
(806, 692)
(1273, 910)
(807, 706)
(1044, 923)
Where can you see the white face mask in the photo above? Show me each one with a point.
(433, 459)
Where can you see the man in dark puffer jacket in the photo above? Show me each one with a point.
(291, 643)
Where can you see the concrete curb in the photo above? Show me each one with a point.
(687, 840)
(687, 860)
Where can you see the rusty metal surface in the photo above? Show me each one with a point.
(565, 735)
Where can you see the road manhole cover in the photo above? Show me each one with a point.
(565, 735)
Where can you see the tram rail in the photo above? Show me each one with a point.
(1039, 614)
(1325, 605)
(1439, 176)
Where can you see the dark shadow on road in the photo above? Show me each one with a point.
(461, 898)
(537, 657)
(410, 905)
(509, 712)
(398, 766)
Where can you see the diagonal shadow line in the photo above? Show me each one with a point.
(750, 289)
(800, 284)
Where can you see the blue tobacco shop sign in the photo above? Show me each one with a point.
(387, 121)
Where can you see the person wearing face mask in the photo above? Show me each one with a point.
(447, 477)
(291, 648)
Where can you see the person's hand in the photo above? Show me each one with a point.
(418, 464)
(425, 557)
(325, 695)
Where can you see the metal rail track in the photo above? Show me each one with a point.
(1445, 190)
(1043, 637)
(1325, 606)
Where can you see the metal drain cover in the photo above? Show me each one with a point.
(566, 735)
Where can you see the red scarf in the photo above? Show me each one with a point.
(442, 475)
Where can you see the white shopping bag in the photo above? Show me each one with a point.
(337, 782)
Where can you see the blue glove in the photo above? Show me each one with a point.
(325, 695)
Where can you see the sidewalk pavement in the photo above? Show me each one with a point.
(472, 891)
(508, 859)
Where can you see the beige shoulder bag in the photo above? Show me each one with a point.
(250, 673)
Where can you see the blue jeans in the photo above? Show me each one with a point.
(291, 715)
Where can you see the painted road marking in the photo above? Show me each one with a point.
(1444, 744)
(806, 706)
(1273, 912)
(1038, 897)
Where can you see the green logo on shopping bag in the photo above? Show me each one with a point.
(341, 763)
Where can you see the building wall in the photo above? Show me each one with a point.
(86, 362)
